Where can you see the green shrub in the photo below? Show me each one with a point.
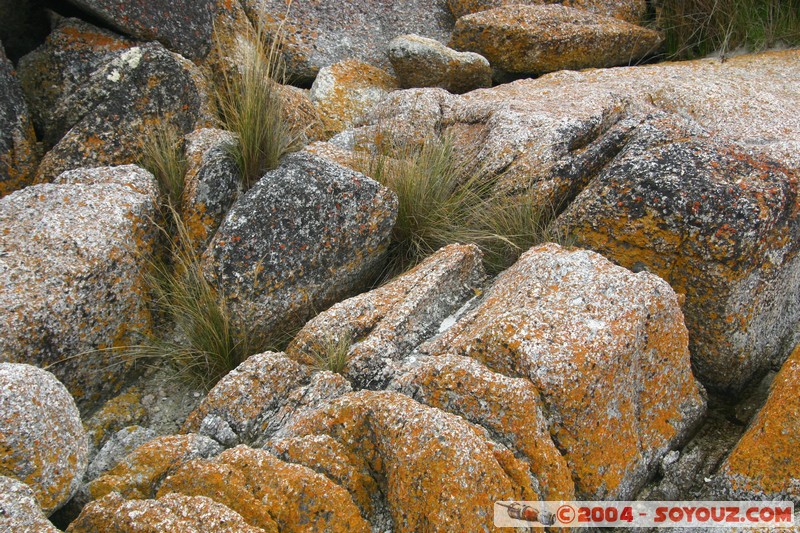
(250, 103)
(696, 28)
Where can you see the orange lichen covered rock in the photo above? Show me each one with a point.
(536, 39)
(107, 97)
(510, 409)
(172, 512)
(17, 138)
(342, 92)
(119, 412)
(19, 510)
(435, 471)
(632, 11)
(301, 115)
(72, 275)
(138, 475)
(42, 441)
(764, 464)
(719, 225)
(268, 492)
(386, 324)
(606, 349)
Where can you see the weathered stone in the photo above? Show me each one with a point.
(764, 464)
(19, 510)
(248, 397)
(422, 62)
(302, 115)
(344, 91)
(268, 492)
(121, 443)
(172, 512)
(386, 324)
(308, 234)
(114, 415)
(138, 475)
(184, 26)
(434, 471)
(633, 11)
(717, 224)
(608, 352)
(71, 272)
(17, 139)
(510, 409)
(111, 112)
(319, 34)
(211, 185)
(42, 441)
(69, 56)
(538, 39)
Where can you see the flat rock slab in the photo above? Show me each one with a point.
(72, 259)
(308, 234)
(606, 349)
(324, 32)
(519, 39)
(632, 11)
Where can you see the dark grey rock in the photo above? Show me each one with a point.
(17, 140)
(308, 234)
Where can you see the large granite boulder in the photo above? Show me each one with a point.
(19, 510)
(42, 441)
(17, 139)
(321, 33)
(308, 234)
(606, 349)
(97, 96)
(386, 324)
(71, 275)
(633, 11)
(518, 39)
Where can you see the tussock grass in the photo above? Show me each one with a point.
(163, 156)
(251, 106)
(697, 28)
(333, 353)
(444, 199)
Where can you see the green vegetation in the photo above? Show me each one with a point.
(443, 201)
(163, 157)
(333, 354)
(251, 106)
(696, 28)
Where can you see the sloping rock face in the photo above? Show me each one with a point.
(319, 34)
(108, 94)
(552, 136)
(632, 11)
(342, 92)
(388, 323)
(606, 349)
(307, 234)
(422, 62)
(42, 441)
(19, 510)
(17, 139)
(720, 226)
(519, 39)
(764, 464)
(74, 254)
